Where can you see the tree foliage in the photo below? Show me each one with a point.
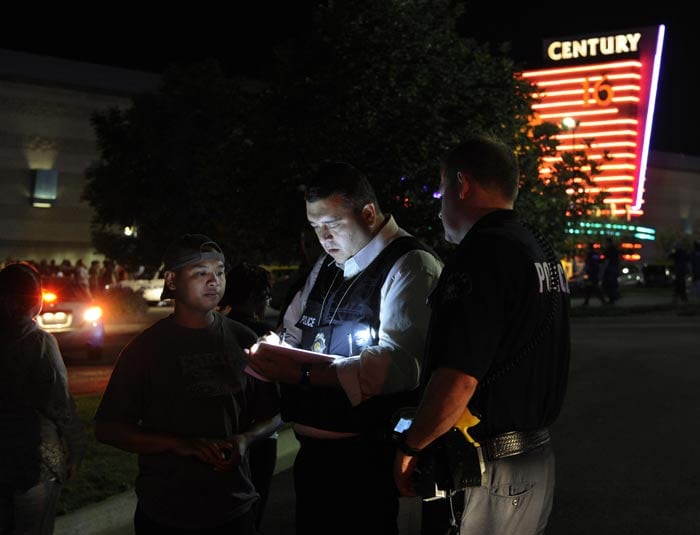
(388, 86)
(552, 200)
(172, 163)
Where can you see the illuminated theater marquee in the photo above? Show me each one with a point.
(605, 87)
(594, 46)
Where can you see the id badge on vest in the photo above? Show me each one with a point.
(322, 339)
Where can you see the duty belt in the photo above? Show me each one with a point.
(513, 443)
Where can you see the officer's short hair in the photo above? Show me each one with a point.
(344, 179)
(489, 162)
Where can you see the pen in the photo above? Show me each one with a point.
(349, 344)
(283, 335)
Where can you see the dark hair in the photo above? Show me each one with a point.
(341, 178)
(245, 280)
(20, 293)
(489, 161)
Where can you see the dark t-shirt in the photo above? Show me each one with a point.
(189, 382)
(493, 303)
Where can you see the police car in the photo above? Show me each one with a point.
(70, 314)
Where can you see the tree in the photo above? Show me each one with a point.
(173, 163)
(553, 200)
(388, 86)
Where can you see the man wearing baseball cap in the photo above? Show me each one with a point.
(179, 398)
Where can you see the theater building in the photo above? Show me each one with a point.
(600, 89)
(46, 143)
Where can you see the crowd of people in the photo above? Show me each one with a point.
(93, 279)
(601, 270)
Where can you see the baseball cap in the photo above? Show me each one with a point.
(186, 250)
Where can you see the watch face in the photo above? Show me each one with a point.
(402, 425)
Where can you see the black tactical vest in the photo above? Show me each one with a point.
(342, 318)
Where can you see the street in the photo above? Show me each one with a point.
(624, 442)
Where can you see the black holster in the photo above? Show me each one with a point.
(449, 464)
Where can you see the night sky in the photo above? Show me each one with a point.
(242, 35)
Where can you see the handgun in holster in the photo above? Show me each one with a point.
(452, 462)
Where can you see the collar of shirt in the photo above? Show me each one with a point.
(364, 257)
(495, 218)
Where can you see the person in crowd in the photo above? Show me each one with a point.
(94, 277)
(43, 268)
(611, 271)
(245, 300)
(108, 275)
(247, 294)
(498, 345)
(120, 272)
(53, 268)
(591, 276)
(66, 269)
(82, 277)
(364, 302)
(695, 268)
(681, 262)
(179, 397)
(43, 440)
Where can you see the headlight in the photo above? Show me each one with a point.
(92, 314)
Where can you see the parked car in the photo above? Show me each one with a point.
(657, 275)
(149, 288)
(71, 315)
(631, 274)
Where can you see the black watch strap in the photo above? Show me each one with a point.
(406, 449)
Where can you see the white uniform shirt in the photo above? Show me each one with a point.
(393, 365)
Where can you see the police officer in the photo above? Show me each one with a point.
(365, 301)
(498, 344)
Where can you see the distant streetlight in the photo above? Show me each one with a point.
(571, 124)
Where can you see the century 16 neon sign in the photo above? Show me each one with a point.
(607, 86)
(600, 88)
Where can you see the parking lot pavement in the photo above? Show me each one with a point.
(632, 297)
